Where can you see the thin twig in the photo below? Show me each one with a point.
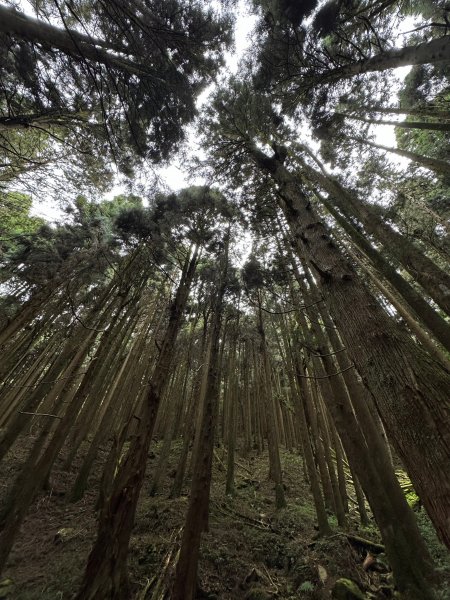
(23, 412)
(325, 376)
(44, 382)
(77, 318)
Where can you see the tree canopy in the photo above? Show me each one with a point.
(296, 299)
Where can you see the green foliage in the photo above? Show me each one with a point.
(15, 220)
(253, 274)
(370, 531)
(421, 209)
(412, 499)
(425, 86)
(125, 102)
(332, 520)
(86, 210)
(438, 551)
(346, 589)
(429, 9)
(306, 586)
(439, 554)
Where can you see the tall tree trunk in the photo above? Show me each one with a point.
(338, 498)
(106, 571)
(434, 280)
(35, 471)
(426, 111)
(435, 126)
(185, 583)
(409, 389)
(427, 315)
(435, 51)
(437, 165)
(116, 395)
(415, 328)
(268, 402)
(176, 400)
(197, 393)
(319, 505)
(233, 393)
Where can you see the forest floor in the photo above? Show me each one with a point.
(251, 551)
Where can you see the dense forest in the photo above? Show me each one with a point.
(237, 387)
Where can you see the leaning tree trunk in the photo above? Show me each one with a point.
(434, 280)
(434, 126)
(408, 387)
(34, 471)
(426, 314)
(426, 111)
(441, 167)
(69, 41)
(398, 519)
(420, 334)
(435, 51)
(106, 574)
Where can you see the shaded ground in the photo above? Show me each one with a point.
(251, 551)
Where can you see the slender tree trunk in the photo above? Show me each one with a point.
(16, 388)
(196, 522)
(363, 516)
(33, 475)
(233, 392)
(116, 394)
(106, 571)
(322, 519)
(339, 452)
(300, 391)
(420, 334)
(434, 126)
(189, 428)
(433, 164)
(50, 117)
(169, 431)
(27, 313)
(338, 498)
(268, 402)
(47, 389)
(426, 111)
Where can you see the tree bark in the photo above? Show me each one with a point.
(265, 391)
(433, 164)
(67, 41)
(409, 389)
(434, 126)
(436, 50)
(426, 314)
(106, 571)
(426, 111)
(433, 279)
(196, 522)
